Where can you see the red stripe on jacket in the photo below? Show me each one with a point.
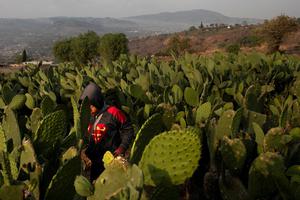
(118, 114)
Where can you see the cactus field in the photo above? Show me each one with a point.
(207, 127)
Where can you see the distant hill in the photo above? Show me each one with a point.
(178, 21)
(38, 35)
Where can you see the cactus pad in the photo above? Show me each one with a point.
(118, 180)
(150, 128)
(83, 186)
(12, 192)
(17, 102)
(62, 182)
(52, 130)
(47, 106)
(30, 103)
(232, 188)
(233, 153)
(203, 112)
(275, 140)
(191, 97)
(28, 157)
(171, 157)
(224, 126)
(11, 127)
(262, 171)
(252, 117)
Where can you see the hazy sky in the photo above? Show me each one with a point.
(121, 8)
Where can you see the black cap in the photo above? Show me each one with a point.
(93, 92)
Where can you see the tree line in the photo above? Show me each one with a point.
(90, 47)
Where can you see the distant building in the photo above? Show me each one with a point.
(36, 62)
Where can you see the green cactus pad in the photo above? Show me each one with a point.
(30, 103)
(83, 186)
(138, 92)
(62, 182)
(25, 81)
(69, 154)
(118, 177)
(191, 97)
(252, 117)
(177, 94)
(7, 94)
(3, 146)
(152, 127)
(236, 122)
(232, 188)
(171, 157)
(259, 137)
(274, 141)
(224, 126)
(251, 98)
(28, 156)
(203, 112)
(51, 131)
(12, 192)
(35, 119)
(6, 168)
(76, 118)
(47, 106)
(11, 127)
(17, 102)
(262, 172)
(233, 153)
(2, 103)
(84, 116)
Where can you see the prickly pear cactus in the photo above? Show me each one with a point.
(47, 105)
(35, 119)
(177, 94)
(62, 182)
(171, 157)
(51, 131)
(84, 119)
(69, 154)
(232, 188)
(7, 94)
(252, 117)
(203, 112)
(150, 128)
(275, 140)
(262, 172)
(251, 98)
(12, 192)
(3, 140)
(236, 122)
(11, 127)
(29, 164)
(234, 153)
(191, 97)
(119, 180)
(224, 125)
(83, 186)
(17, 102)
(30, 103)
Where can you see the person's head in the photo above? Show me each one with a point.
(96, 99)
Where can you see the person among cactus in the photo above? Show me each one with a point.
(109, 130)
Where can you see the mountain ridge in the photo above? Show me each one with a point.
(37, 35)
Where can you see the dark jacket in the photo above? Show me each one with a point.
(110, 132)
(113, 130)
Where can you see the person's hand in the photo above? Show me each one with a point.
(119, 151)
(87, 161)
